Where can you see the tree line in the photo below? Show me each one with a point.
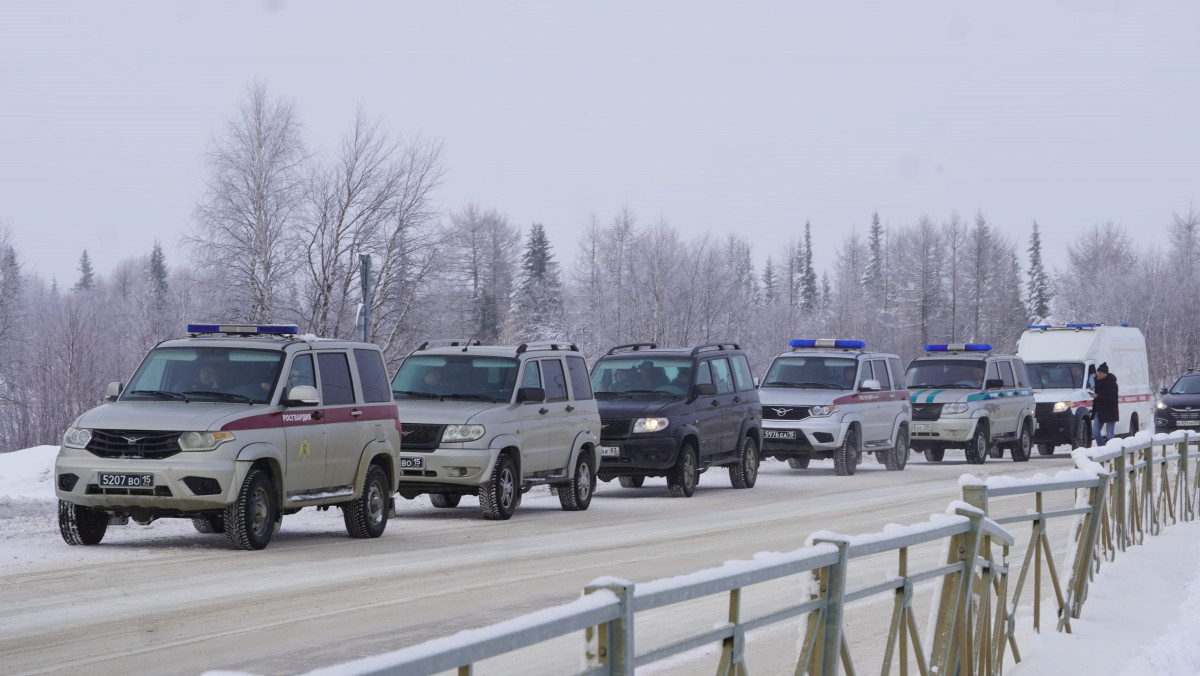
(278, 230)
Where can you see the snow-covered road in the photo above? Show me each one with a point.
(165, 599)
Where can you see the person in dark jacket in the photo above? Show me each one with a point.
(1104, 405)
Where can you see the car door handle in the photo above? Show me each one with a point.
(355, 412)
(714, 402)
(317, 415)
(737, 400)
(543, 411)
(570, 408)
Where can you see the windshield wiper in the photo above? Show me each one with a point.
(157, 394)
(481, 397)
(820, 386)
(223, 396)
(426, 395)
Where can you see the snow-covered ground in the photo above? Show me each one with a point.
(1142, 615)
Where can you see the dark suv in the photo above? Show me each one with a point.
(1179, 406)
(675, 413)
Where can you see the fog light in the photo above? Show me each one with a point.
(67, 482)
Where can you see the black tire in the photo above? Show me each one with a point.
(1045, 449)
(1083, 433)
(977, 448)
(81, 525)
(499, 497)
(445, 500)
(1022, 448)
(250, 519)
(744, 472)
(896, 457)
(682, 478)
(367, 515)
(934, 454)
(846, 456)
(798, 463)
(631, 481)
(576, 494)
(209, 523)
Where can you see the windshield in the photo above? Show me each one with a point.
(812, 373)
(455, 377)
(630, 377)
(206, 374)
(1186, 385)
(1055, 375)
(945, 374)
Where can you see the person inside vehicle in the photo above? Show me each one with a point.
(1076, 375)
(206, 380)
(625, 380)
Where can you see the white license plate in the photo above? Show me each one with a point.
(779, 434)
(126, 480)
(412, 463)
(1188, 423)
(921, 427)
(610, 451)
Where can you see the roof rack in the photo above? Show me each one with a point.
(715, 346)
(448, 342)
(244, 329)
(546, 345)
(633, 347)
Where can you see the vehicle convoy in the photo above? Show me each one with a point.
(963, 396)
(495, 421)
(676, 413)
(1062, 360)
(833, 399)
(1179, 406)
(233, 427)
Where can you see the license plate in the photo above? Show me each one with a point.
(1188, 423)
(920, 427)
(779, 434)
(412, 463)
(610, 451)
(126, 480)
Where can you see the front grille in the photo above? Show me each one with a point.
(784, 412)
(1181, 414)
(1043, 409)
(420, 437)
(615, 428)
(926, 411)
(134, 444)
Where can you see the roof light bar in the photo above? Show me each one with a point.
(828, 342)
(1040, 326)
(275, 329)
(959, 347)
(1082, 326)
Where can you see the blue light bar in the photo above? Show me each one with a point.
(828, 342)
(276, 329)
(1124, 323)
(959, 347)
(1082, 326)
(1040, 326)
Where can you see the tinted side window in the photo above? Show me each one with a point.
(336, 386)
(992, 373)
(581, 384)
(374, 377)
(555, 381)
(897, 372)
(532, 377)
(703, 373)
(881, 374)
(301, 373)
(741, 372)
(1006, 374)
(722, 375)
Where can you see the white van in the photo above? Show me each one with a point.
(1062, 359)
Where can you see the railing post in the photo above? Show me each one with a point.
(835, 599)
(615, 644)
(1122, 500)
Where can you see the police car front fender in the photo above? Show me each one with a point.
(584, 440)
(252, 453)
(372, 450)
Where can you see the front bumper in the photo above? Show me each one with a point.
(442, 467)
(1054, 427)
(184, 483)
(803, 437)
(634, 455)
(941, 431)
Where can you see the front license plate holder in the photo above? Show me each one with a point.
(610, 451)
(920, 427)
(787, 435)
(412, 463)
(125, 480)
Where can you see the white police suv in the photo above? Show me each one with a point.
(964, 396)
(833, 399)
(233, 427)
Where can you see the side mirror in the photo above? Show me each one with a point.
(302, 395)
(115, 389)
(870, 385)
(1161, 390)
(533, 394)
(704, 390)
(993, 384)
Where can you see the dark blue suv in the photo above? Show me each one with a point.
(675, 413)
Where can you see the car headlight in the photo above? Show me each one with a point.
(203, 441)
(955, 407)
(459, 433)
(821, 411)
(1060, 406)
(642, 425)
(76, 438)
(1161, 406)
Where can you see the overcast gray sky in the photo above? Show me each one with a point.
(747, 117)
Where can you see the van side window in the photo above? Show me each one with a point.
(581, 384)
(555, 381)
(336, 385)
(1006, 374)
